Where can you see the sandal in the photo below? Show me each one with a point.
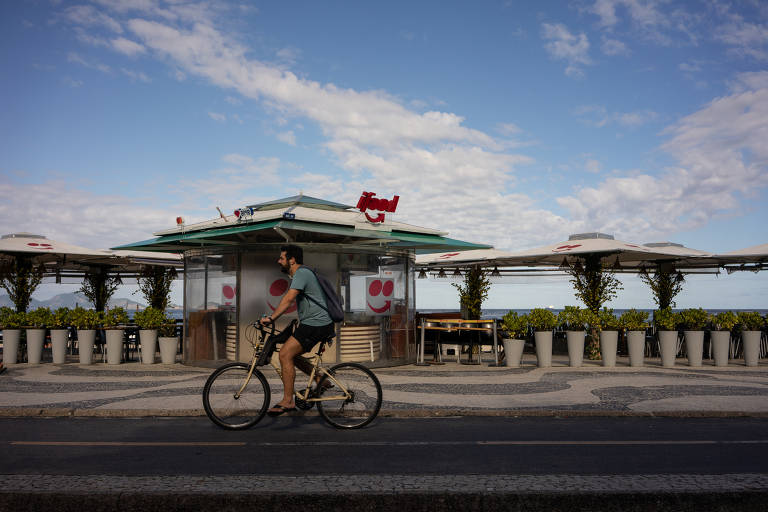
(281, 409)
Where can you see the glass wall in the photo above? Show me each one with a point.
(210, 305)
(225, 292)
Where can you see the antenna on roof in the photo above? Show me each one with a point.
(221, 214)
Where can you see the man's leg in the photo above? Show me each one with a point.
(290, 349)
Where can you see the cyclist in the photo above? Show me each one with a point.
(314, 322)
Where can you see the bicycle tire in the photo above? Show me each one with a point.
(229, 412)
(357, 411)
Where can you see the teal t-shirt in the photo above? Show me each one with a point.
(309, 312)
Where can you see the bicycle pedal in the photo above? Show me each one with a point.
(304, 405)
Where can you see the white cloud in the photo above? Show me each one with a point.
(77, 59)
(233, 101)
(598, 115)
(136, 76)
(288, 137)
(562, 45)
(71, 82)
(746, 38)
(217, 116)
(592, 165)
(77, 216)
(642, 12)
(614, 47)
(127, 47)
(721, 155)
(288, 56)
(86, 15)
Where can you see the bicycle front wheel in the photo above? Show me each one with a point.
(354, 401)
(229, 407)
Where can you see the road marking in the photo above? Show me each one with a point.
(511, 443)
(124, 443)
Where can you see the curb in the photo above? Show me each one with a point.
(26, 412)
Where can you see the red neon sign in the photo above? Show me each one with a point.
(369, 202)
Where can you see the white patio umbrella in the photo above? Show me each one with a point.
(754, 254)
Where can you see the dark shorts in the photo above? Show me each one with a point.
(310, 335)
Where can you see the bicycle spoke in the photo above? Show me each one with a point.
(228, 406)
(354, 400)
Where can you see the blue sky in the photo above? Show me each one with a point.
(510, 123)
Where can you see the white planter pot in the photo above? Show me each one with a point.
(59, 338)
(148, 340)
(114, 345)
(85, 341)
(575, 340)
(721, 344)
(668, 346)
(636, 345)
(513, 350)
(751, 340)
(11, 345)
(609, 342)
(35, 341)
(543, 348)
(694, 347)
(168, 348)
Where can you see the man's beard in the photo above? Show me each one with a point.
(283, 269)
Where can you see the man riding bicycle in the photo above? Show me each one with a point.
(315, 323)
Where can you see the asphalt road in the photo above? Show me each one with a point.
(307, 446)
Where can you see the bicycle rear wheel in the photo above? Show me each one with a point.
(223, 405)
(364, 400)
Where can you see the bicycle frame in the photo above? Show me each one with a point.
(316, 367)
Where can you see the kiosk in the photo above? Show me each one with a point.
(231, 275)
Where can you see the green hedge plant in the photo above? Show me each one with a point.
(114, 318)
(85, 319)
(168, 329)
(634, 320)
(39, 318)
(10, 319)
(724, 321)
(149, 318)
(516, 326)
(571, 319)
(542, 319)
(60, 319)
(665, 319)
(608, 321)
(750, 320)
(692, 319)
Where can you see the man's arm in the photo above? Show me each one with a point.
(285, 303)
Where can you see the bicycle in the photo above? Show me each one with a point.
(237, 395)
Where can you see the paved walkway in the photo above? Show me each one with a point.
(135, 389)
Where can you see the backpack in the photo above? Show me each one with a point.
(334, 309)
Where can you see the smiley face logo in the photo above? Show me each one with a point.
(275, 291)
(379, 292)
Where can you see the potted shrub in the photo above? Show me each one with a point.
(59, 334)
(114, 326)
(543, 321)
(149, 321)
(609, 336)
(635, 322)
(168, 341)
(516, 328)
(750, 322)
(37, 320)
(571, 320)
(722, 325)
(666, 325)
(85, 321)
(693, 322)
(11, 322)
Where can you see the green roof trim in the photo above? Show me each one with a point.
(212, 237)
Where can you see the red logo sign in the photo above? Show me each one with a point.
(369, 202)
(564, 248)
(276, 290)
(40, 246)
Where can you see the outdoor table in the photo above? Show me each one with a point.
(453, 324)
